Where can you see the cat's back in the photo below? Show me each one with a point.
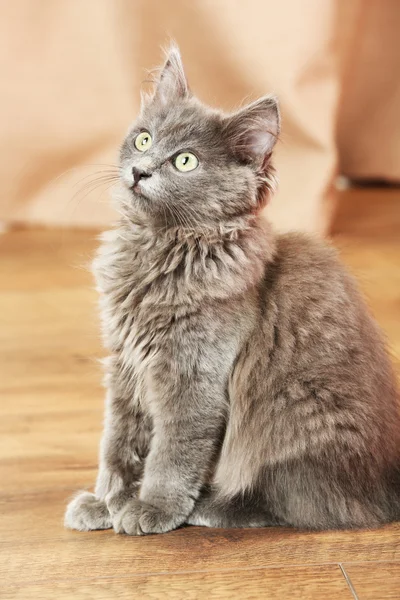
(322, 324)
(315, 308)
(307, 277)
(302, 259)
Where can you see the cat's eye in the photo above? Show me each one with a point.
(143, 141)
(186, 162)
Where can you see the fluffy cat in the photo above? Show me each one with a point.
(247, 384)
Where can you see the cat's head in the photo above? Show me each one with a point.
(183, 163)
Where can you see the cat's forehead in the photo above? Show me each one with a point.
(182, 123)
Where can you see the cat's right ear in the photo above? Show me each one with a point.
(252, 132)
(172, 83)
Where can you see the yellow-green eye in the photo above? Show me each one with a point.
(186, 162)
(143, 141)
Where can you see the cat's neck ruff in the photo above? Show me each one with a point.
(208, 233)
(187, 264)
(230, 244)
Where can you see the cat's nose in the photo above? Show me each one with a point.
(138, 174)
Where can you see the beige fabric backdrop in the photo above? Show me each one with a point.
(72, 71)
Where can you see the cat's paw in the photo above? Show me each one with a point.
(156, 520)
(126, 520)
(116, 501)
(138, 518)
(86, 512)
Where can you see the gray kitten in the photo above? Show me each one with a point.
(247, 383)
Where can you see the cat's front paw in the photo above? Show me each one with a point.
(86, 512)
(139, 518)
(156, 520)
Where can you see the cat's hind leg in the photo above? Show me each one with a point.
(86, 512)
(240, 511)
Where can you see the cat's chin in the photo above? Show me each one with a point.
(141, 200)
(137, 192)
(145, 208)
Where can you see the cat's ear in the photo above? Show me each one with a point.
(172, 83)
(253, 131)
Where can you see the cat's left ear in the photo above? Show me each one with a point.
(172, 84)
(253, 131)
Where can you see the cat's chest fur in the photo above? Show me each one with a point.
(147, 300)
(157, 292)
(135, 309)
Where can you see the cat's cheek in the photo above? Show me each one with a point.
(126, 176)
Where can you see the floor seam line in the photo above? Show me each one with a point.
(348, 581)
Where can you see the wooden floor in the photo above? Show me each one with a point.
(50, 422)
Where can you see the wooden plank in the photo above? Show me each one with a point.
(302, 583)
(377, 581)
(368, 213)
(35, 258)
(35, 455)
(40, 433)
(78, 392)
(41, 318)
(39, 546)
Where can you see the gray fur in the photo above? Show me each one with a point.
(247, 384)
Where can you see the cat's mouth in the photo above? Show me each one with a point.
(137, 190)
